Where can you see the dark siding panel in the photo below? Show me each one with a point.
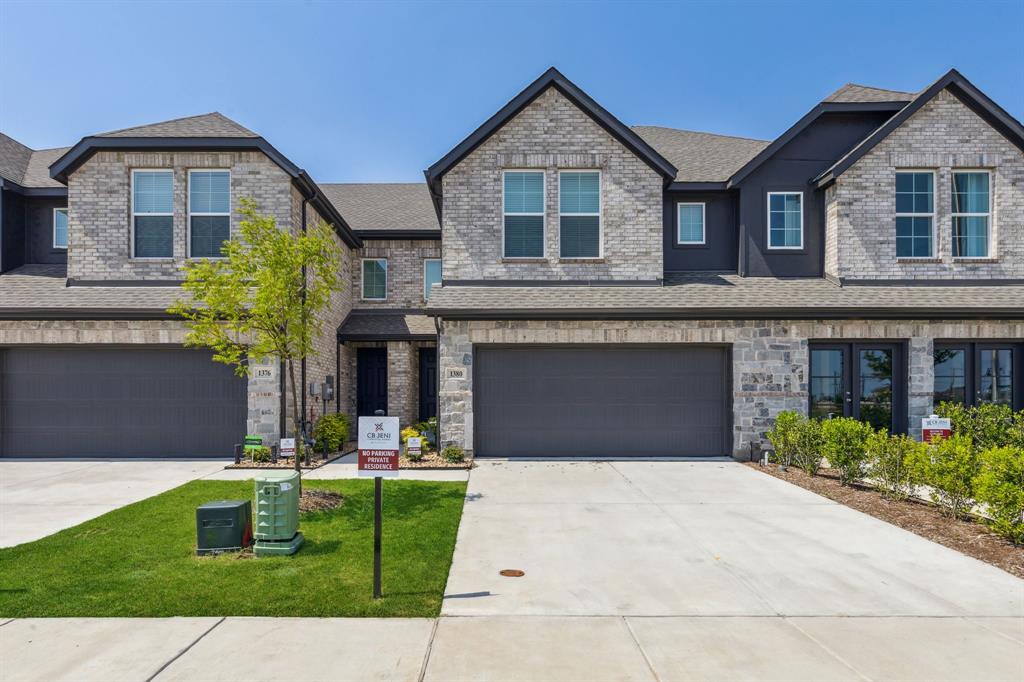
(39, 230)
(720, 231)
(12, 231)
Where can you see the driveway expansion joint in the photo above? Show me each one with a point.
(185, 650)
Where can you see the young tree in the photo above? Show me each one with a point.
(264, 298)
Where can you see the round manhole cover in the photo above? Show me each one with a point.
(512, 573)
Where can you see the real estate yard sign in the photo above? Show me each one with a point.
(935, 428)
(414, 446)
(378, 446)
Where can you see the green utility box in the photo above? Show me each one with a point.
(223, 526)
(277, 513)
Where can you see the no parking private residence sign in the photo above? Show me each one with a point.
(935, 428)
(378, 446)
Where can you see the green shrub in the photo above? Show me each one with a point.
(807, 439)
(260, 453)
(428, 431)
(331, 432)
(949, 468)
(987, 425)
(842, 444)
(1000, 487)
(783, 436)
(407, 433)
(1016, 439)
(891, 463)
(453, 453)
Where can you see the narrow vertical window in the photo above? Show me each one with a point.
(785, 220)
(153, 214)
(971, 214)
(60, 228)
(209, 212)
(579, 214)
(431, 275)
(523, 214)
(915, 212)
(375, 279)
(690, 229)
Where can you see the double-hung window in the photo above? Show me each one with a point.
(375, 279)
(690, 226)
(431, 275)
(972, 205)
(579, 214)
(60, 228)
(153, 214)
(785, 220)
(209, 212)
(523, 214)
(915, 213)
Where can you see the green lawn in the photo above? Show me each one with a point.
(140, 560)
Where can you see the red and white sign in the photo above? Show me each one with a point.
(378, 446)
(935, 428)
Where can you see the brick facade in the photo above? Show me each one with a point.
(403, 377)
(552, 134)
(860, 229)
(405, 271)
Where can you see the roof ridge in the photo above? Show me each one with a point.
(179, 119)
(702, 132)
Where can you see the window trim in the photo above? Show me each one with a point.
(599, 214)
(703, 223)
(990, 226)
(768, 221)
(190, 213)
(542, 214)
(362, 279)
(426, 297)
(935, 201)
(54, 230)
(131, 189)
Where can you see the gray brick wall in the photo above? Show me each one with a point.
(405, 270)
(552, 134)
(943, 135)
(403, 377)
(770, 359)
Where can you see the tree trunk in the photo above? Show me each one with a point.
(297, 416)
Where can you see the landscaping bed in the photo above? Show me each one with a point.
(139, 560)
(966, 536)
(315, 462)
(433, 460)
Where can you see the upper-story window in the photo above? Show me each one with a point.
(153, 213)
(915, 214)
(971, 214)
(523, 214)
(60, 228)
(785, 220)
(690, 224)
(431, 275)
(375, 279)
(579, 214)
(209, 212)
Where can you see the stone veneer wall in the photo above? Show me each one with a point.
(263, 386)
(99, 207)
(405, 270)
(552, 134)
(770, 360)
(943, 135)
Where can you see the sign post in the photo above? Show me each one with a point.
(935, 428)
(378, 457)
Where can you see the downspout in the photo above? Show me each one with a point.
(437, 368)
(302, 365)
(337, 376)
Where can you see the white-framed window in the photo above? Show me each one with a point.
(972, 213)
(690, 223)
(785, 220)
(431, 275)
(375, 279)
(523, 214)
(209, 212)
(579, 214)
(152, 213)
(60, 228)
(915, 214)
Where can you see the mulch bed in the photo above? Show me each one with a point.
(969, 537)
(432, 460)
(316, 461)
(314, 500)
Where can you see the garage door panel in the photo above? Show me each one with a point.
(601, 401)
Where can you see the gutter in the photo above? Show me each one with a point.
(802, 313)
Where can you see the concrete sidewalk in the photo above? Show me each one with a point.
(513, 648)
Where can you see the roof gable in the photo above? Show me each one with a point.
(853, 92)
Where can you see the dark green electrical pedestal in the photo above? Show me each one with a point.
(277, 514)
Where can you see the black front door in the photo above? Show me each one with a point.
(982, 372)
(865, 381)
(371, 381)
(428, 383)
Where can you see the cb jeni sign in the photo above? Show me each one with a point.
(378, 446)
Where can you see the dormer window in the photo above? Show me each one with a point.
(971, 214)
(153, 214)
(785, 220)
(523, 205)
(915, 214)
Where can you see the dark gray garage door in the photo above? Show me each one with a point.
(585, 401)
(118, 402)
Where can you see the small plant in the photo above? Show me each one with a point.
(949, 468)
(453, 453)
(783, 436)
(260, 453)
(407, 433)
(988, 425)
(415, 456)
(842, 444)
(1000, 487)
(808, 440)
(891, 463)
(331, 432)
(428, 431)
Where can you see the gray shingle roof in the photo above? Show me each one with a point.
(214, 124)
(383, 206)
(852, 92)
(43, 288)
(369, 325)
(691, 293)
(701, 157)
(27, 167)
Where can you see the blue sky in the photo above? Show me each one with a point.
(375, 92)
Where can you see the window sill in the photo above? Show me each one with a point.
(908, 260)
(582, 261)
(524, 260)
(968, 260)
(154, 259)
